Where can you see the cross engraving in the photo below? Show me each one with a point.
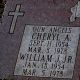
(15, 16)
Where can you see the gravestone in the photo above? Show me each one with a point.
(39, 40)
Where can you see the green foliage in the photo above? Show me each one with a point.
(2, 5)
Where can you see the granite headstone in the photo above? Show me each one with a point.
(39, 40)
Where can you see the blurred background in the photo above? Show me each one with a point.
(2, 5)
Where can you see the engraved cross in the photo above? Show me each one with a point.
(15, 16)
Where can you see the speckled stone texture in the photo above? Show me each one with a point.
(37, 12)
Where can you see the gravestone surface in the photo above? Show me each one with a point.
(41, 33)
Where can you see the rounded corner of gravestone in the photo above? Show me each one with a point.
(17, 72)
